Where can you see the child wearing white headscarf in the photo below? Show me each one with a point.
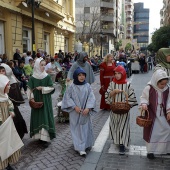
(6, 110)
(155, 99)
(42, 120)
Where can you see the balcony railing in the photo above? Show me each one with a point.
(107, 17)
(129, 9)
(129, 16)
(108, 4)
(108, 29)
(128, 3)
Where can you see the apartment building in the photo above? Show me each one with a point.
(141, 25)
(165, 13)
(129, 11)
(54, 26)
(98, 20)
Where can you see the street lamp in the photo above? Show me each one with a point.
(34, 4)
(101, 43)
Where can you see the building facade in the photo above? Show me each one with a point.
(54, 26)
(141, 25)
(97, 25)
(165, 13)
(129, 11)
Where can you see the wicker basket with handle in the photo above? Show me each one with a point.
(143, 121)
(120, 107)
(33, 104)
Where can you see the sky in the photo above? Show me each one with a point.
(155, 6)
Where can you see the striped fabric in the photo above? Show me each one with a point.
(4, 110)
(119, 124)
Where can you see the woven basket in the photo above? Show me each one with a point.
(143, 121)
(120, 107)
(33, 104)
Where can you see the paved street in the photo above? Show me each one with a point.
(60, 155)
(135, 158)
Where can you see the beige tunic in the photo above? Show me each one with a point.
(5, 107)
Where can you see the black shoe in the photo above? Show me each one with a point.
(121, 149)
(9, 167)
(150, 156)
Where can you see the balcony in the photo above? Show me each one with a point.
(107, 4)
(129, 3)
(129, 16)
(128, 36)
(129, 22)
(129, 28)
(108, 29)
(107, 17)
(129, 9)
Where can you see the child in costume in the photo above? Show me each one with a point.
(42, 125)
(79, 101)
(155, 99)
(119, 123)
(6, 110)
(16, 97)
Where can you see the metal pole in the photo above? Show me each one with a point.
(33, 29)
(101, 52)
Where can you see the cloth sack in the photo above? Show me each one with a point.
(10, 141)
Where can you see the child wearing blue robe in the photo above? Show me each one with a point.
(79, 101)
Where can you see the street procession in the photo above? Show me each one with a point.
(84, 85)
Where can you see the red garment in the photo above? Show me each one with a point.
(106, 76)
(121, 70)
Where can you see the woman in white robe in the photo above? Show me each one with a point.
(155, 98)
(77, 100)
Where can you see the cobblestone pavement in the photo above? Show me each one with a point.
(60, 155)
(135, 158)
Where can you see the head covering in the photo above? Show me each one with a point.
(158, 75)
(9, 73)
(161, 57)
(121, 70)
(75, 76)
(4, 81)
(80, 59)
(37, 73)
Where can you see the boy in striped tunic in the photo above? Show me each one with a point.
(119, 123)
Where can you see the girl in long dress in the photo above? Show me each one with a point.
(106, 76)
(6, 110)
(119, 123)
(16, 97)
(163, 60)
(42, 120)
(155, 99)
(79, 101)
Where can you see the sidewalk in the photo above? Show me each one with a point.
(108, 158)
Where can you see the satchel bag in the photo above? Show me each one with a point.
(33, 104)
(102, 91)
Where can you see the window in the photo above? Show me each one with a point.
(46, 42)
(87, 10)
(2, 44)
(87, 23)
(26, 40)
